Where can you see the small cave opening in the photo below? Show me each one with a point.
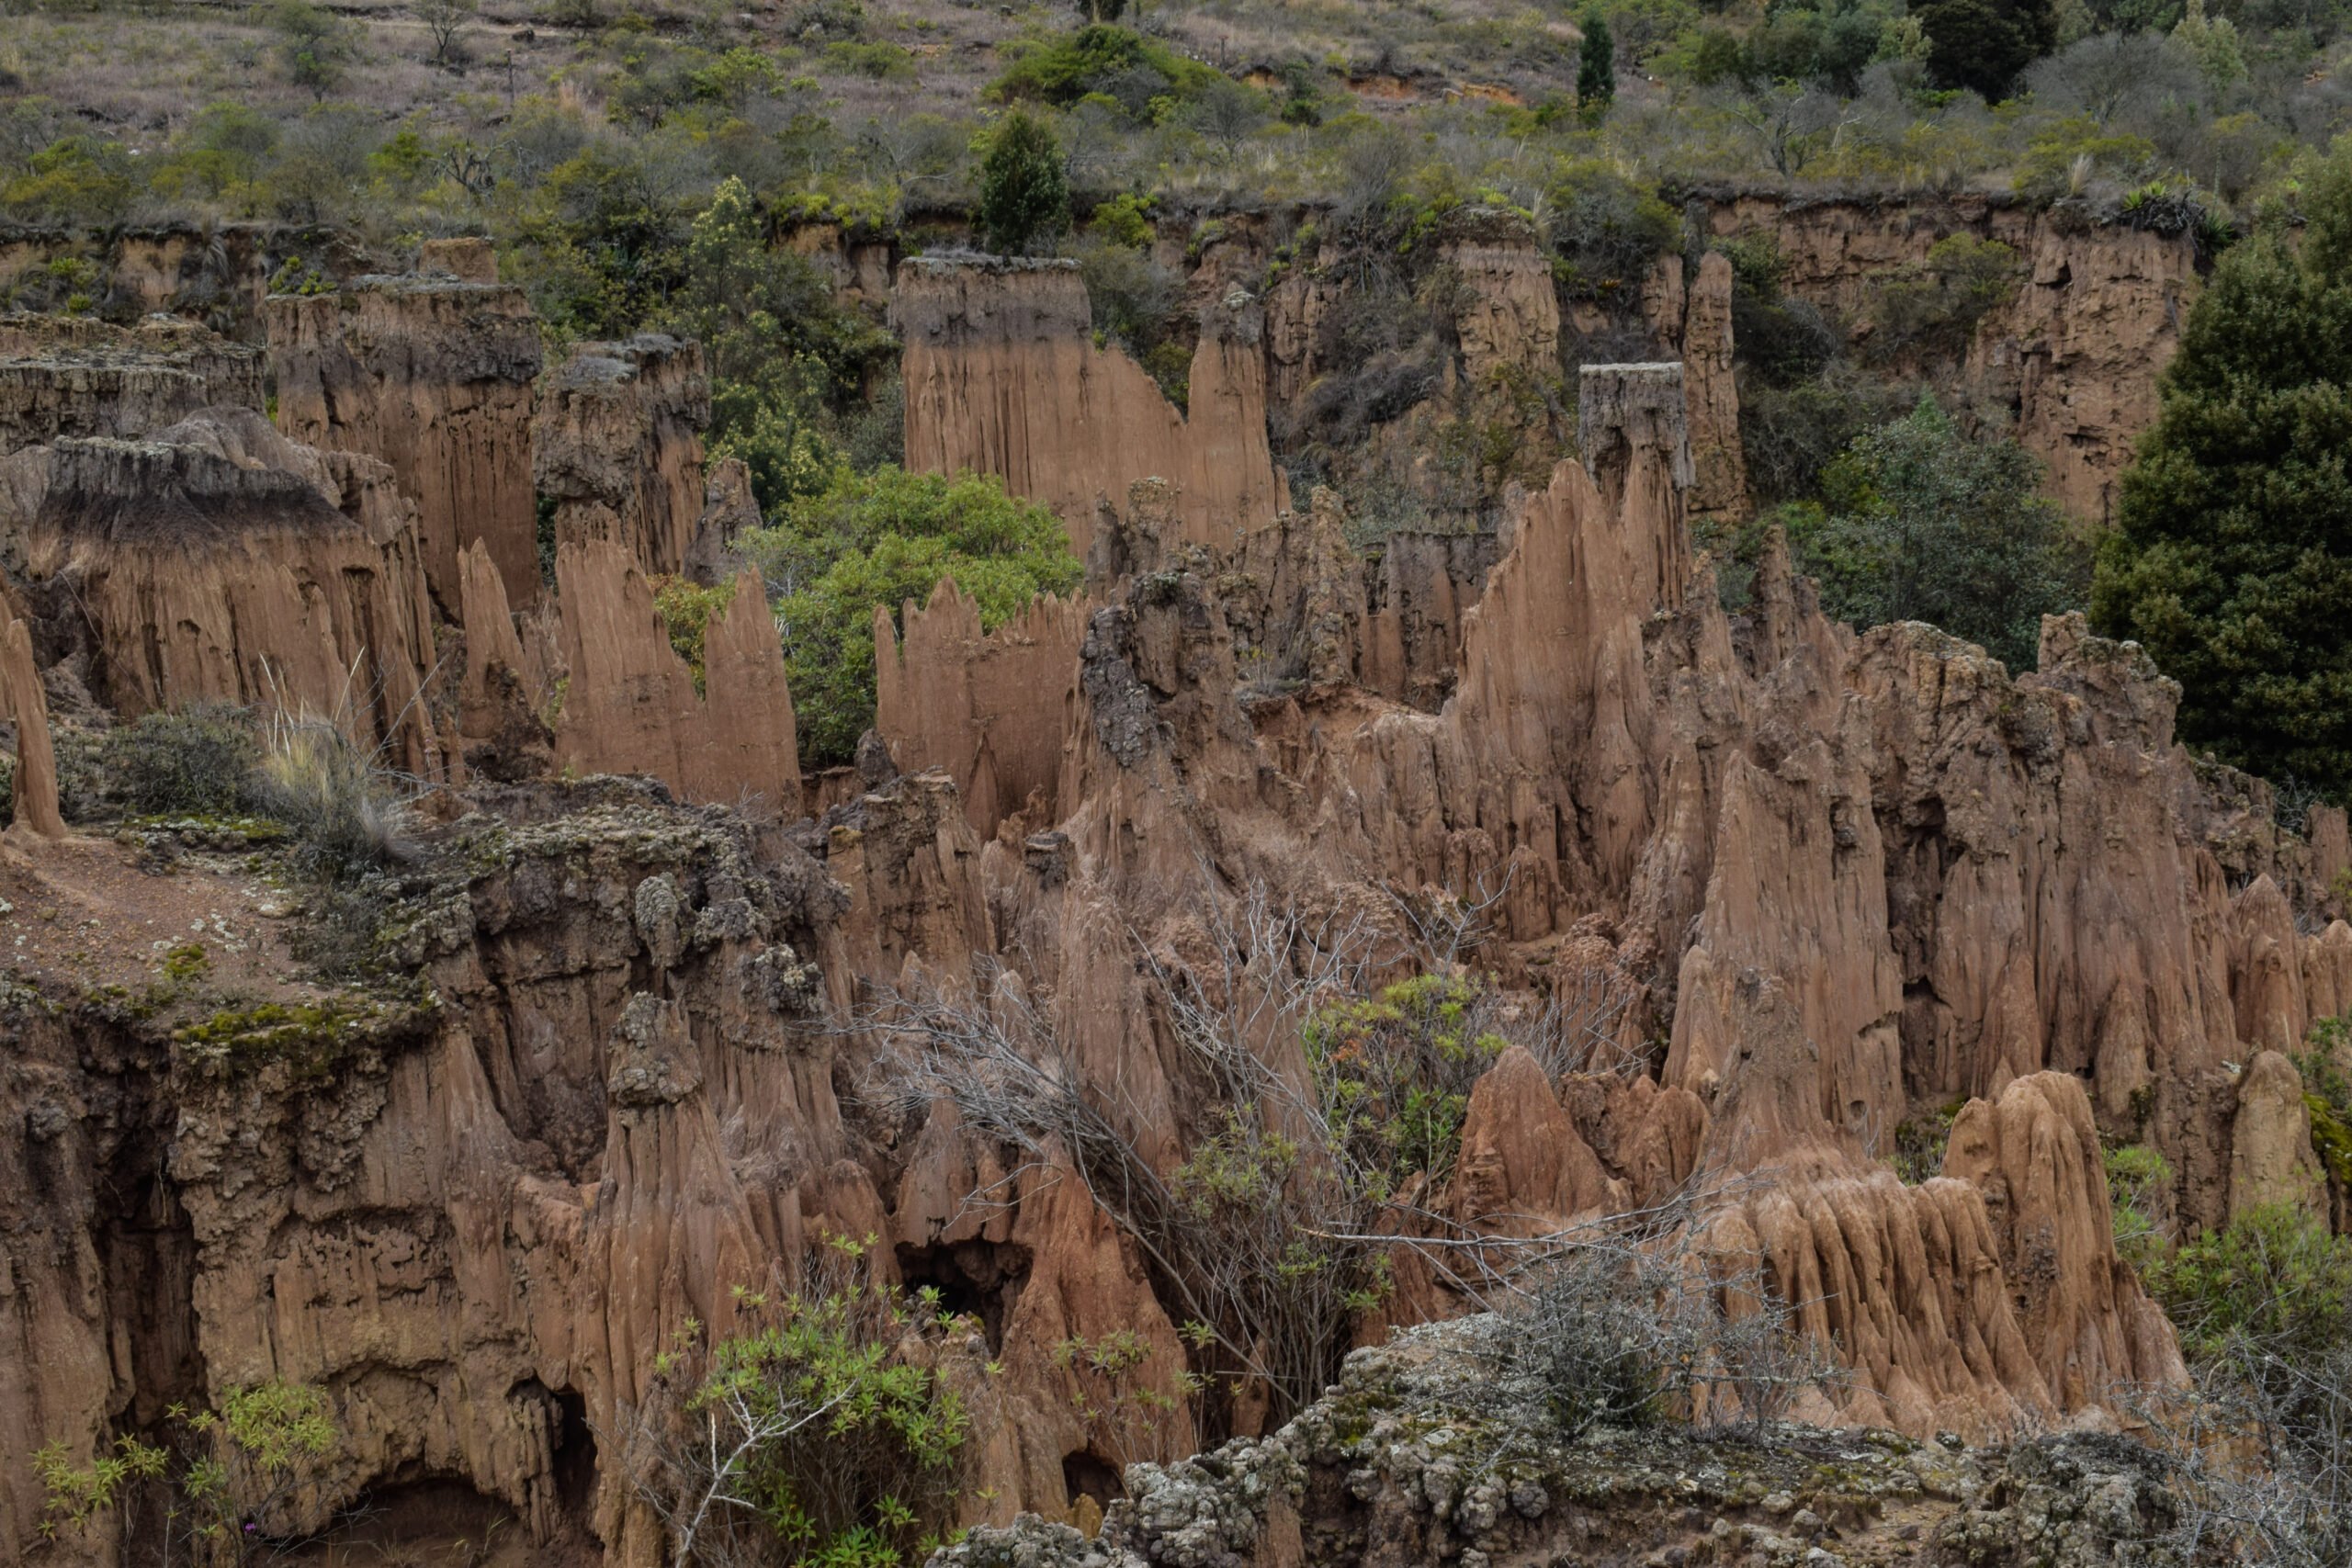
(1086, 1473)
(980, 1278)
(575, 1459)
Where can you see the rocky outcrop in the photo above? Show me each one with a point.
(617, 450)
(1003, 377)
(32, 783)
(67, 376)
(432, 373)
(2076, 351)
(1695, 323)
(219, 562)
(601, 684)
(988, 708)
(1412, 1456)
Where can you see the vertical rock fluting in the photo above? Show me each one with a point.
(617, 698)
(32, 790)
(1003, 377)
(217, 562)
(433, 374)
(70, 376)
(617, 450)
(990, 708)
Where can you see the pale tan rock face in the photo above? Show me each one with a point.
(219, 562)
(431, 374)
(1002, 378)
(616, 448)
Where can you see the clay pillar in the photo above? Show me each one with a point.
(35, 793)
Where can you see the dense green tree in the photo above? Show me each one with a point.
(782, 350)
(2231, 556)
(1984, 44)
(1024, 191)
(1919, 523)
(1596, 66)
(883, 538)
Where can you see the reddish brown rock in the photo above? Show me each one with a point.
(433, 374)
(628, 702)
(617, 450)
(32, 786)
(219, 562)
(1002, 378)
(990, 708)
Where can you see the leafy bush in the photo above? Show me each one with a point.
(883, 538)
(315, 45)
(1984, 44)
(1394, 1070)
(783, 353)
(686, 608)
(1125, 65)
(1024, 191)
(1921, 524)
(2274, 1278)
(1607, 232)
(2136, 1178)
(196, 763)
(836, 1438)
(225, 1474)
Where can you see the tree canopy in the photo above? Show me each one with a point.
(2231, 556)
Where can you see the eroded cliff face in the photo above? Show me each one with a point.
(591, 683)
(217, 561)
(431, 373)
(64, 375)
(1800, 886)
(2072, 355)
(617, 448)
(1003, 377)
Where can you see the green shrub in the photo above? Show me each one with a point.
(883, 538)
(2274, 1280)
(1099, 57)
(1025, 190)
(315, 45)
(686, 608)
(1607, 232)
(2136, 1178)
(196, 763)
(1921, 524)
(1394, 1072)
(837, 1438)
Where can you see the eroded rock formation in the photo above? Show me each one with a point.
(600, 683)
(1003, 377)
(617, 450)
(990, 708)
(68, 376)
(432, 373)
(217, 561)
(32, 784)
